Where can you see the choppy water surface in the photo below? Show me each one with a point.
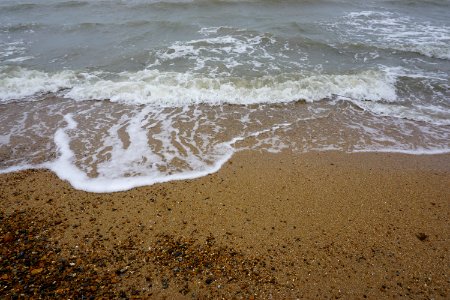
(116, 94)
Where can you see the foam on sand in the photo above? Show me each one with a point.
(64, 166)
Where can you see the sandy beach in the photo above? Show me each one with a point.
(281, 226)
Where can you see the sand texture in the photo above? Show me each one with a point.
(281, 226)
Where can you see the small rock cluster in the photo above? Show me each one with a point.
(32, 265)
(206, 266)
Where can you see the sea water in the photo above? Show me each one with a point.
(115, 94)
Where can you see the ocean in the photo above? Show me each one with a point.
(112, 95)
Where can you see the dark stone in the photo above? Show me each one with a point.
(121, 271)
(422, 236)
(123, 295)
(8, 238)
(165, 283)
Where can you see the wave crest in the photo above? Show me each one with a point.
(180, 89)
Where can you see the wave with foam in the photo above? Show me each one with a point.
(373, 90)
(18, 83)
(175, 89)
(388, 30)
(179, 89)
(226, 51)
(384, 91)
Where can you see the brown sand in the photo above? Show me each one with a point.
(316, 225)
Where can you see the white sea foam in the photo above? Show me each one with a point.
(112, 179)
(389, 30)
(415, 151)
(430, 114)
(179, 89)
(371, 90)
(19, 59)
(21, 168)
(17, 83)
(9, 49)
(221, 47)
(416, 110)
(175, 89)
(149, 145)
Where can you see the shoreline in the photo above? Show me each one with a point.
(318, 224)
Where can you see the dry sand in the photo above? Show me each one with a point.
(282, 226)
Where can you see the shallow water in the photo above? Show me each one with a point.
(117, 94)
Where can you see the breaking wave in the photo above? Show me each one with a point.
(179, 89)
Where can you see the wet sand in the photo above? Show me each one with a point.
(282, 226)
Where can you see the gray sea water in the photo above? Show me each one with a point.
(116, 94)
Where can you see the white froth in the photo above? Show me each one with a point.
(415, 151)
(370, 90)
(64, 165)
(134, 161)
(389, 30)
(5, 139)
(20, 168)
(17, 83)
(113, 179)
(9, 49)
(118, 173)
(176, 89)
(19, 59)
(430, 114)
(226, 50)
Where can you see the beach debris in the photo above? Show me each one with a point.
(422, 236)
(8, 237)
(33, 266)
(198, 265)
(36, 271)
